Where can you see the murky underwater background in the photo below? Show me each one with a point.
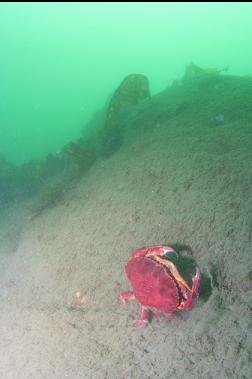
(61, 64)
(121, 126)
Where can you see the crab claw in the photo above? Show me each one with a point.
(193, 294)
(155, 250)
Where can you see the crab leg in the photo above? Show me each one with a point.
(126, 296)
(145, 314)
(144, 320)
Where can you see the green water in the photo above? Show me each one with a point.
(60, 62)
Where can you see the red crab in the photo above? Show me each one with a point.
(157, 284)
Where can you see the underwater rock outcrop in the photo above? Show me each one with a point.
(81, 155)
(192, 71)
(48, 198)
(133, 89)
(6, 175)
